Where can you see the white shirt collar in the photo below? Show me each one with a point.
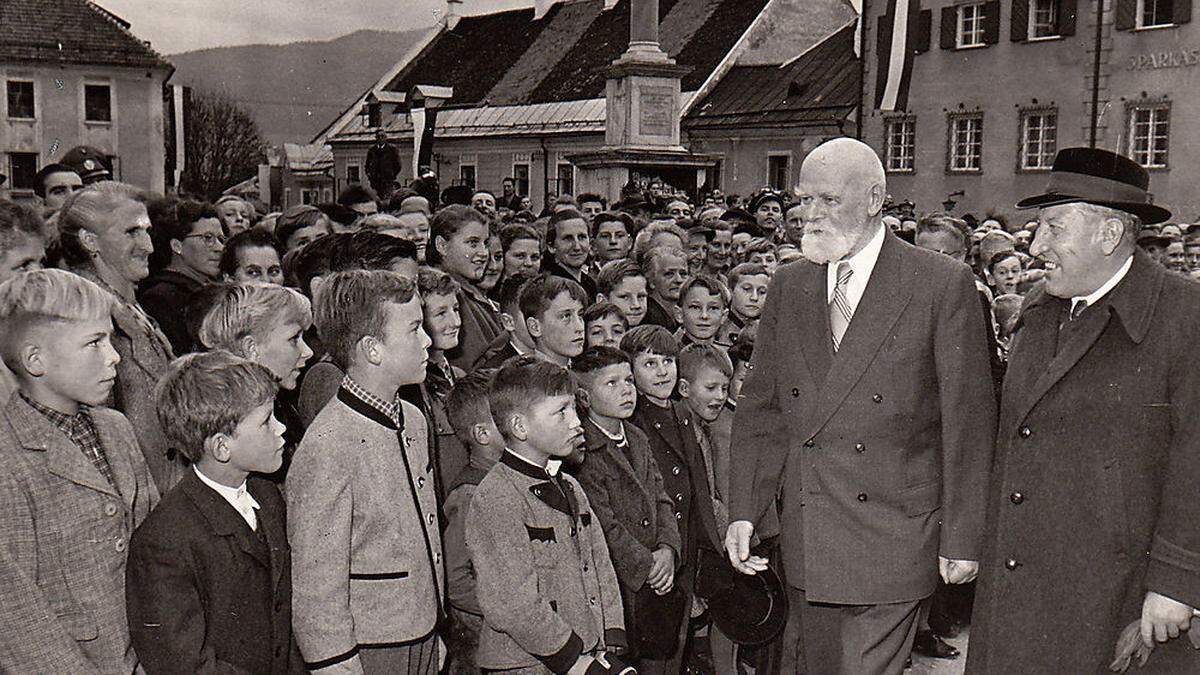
(239, 498)
(617, 438)
(1112, 282)
(552, 465)
(862, 263)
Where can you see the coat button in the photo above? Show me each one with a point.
(120, 546)
(537, 492)
(420, 481)
(862, 496)
(809, 443)
(574, 531)
(592, 601)
(1026, 432)
(795, 393)
(675, 471)
(678, 516)
(678, 496)
(658, 425)
(429, 518)
(110, 509)
(859, 447)
(585, 567)
(1011, 564)
(878, 398)
(645, 522)
(1016, 498)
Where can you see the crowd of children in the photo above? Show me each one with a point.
(467, 476)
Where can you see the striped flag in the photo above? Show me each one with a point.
(899, 35)
(424, 121)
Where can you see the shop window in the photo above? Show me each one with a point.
(900, 144)
(966, 143)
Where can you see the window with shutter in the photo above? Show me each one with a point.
(991, 22)
(920, 41)
(970, 26)
(1043, 19)
(1018, 25)
(948, 29)
(1126, 18)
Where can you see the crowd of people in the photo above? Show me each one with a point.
(435, 431)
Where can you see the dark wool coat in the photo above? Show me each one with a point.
(164, 297)
(205, 592)
(880, 452)
(480, 325)
(1095, 496)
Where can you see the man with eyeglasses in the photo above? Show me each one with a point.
(189, 238)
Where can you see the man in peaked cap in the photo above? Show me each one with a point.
(91, 164)
(1093, 525)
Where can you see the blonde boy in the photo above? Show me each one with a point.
(73, 482)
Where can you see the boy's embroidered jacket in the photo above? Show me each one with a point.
(544, 579)
(626, 492)
(205, 592)
(362, 522)
(63, 540)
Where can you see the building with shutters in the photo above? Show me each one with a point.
(983, 94)
(766, 81)
(74, 74)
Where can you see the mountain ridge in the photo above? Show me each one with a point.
(294, 90)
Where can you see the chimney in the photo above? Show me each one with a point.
(542, 7)
(453, 13)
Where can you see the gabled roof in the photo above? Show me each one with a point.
(307, 158)
(509, 58)
(820, 87)
(70, 31)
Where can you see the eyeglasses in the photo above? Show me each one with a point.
(209, 238)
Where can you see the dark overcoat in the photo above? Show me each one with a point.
(880, 453)
(205, 592)
(1095, 496)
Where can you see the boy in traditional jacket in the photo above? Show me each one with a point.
(545, 582)
(73, 483)
(626, 491)
(367, 569)
(208, 587)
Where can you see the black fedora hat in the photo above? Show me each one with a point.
(748, 609)
(1099, 177)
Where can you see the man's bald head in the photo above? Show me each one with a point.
(840, 196)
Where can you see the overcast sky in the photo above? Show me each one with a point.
(174, 26)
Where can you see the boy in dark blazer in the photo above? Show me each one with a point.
(624, 486)
(208, 586)
(545, 581)
(73, 484)
(367, 568)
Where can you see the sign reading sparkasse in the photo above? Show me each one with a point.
(1176, 58)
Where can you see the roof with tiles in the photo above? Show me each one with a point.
(70, 31)
(509, 58)
(820, 87)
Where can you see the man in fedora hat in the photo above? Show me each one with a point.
(1093, 518)
(869, 413)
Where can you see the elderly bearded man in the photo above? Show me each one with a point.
(869, 416)
(1094, 517)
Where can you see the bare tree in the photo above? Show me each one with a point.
(222, 144)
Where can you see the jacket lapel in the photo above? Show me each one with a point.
(63, 458)
(274, 532)
(885, 298)
(816, 338)
(118, 460)
(223, 519)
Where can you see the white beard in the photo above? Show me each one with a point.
(825, 246)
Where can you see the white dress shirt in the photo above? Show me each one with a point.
(862, 263)
(1099, 293)
(239, 498)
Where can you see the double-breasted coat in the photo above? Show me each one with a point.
(1094, 496)
(64, 535)
(879, 452)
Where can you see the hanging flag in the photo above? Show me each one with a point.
(858, 9)
(902, 33)
(424, 121)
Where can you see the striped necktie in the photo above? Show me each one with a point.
(839, 310)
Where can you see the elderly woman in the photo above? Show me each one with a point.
(251, 257)
(106, 238)
(265, 323)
